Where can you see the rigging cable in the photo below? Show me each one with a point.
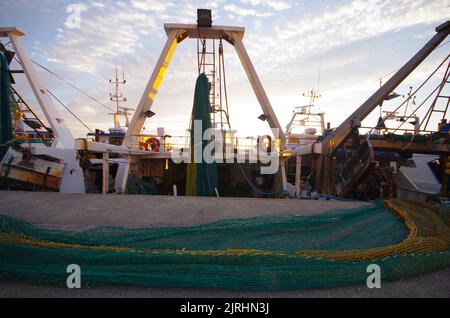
(416, 109)
(432, 107)
(409, 117)
(76, 117)
(220, 82)
(33, 113)
(389, 73)
(225, 91)
(420, 87)
(69, 83)
(249, 182)
(28, 107)
(222, 70)
(241, 168)
(59, 101)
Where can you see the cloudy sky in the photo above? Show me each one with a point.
(352, 43)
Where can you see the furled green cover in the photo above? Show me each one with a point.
(5, 111)
(202, 177)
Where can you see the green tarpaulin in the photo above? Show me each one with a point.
(5, 111)
(201, 177)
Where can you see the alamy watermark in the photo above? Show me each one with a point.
(374, 279)
(210, 146)
(74, 279)
(74, 10)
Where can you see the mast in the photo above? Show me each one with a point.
(118, 97)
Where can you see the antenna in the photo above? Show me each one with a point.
(318, 75)
(409, 98)
(123, 73)
(117, 96)
(313, 94)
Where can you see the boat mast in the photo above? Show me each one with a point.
(118, 97)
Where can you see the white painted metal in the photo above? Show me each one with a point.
(298, 174)
(146, 102)
(338, 136)
(233, 34)
(72, 180)
(105, 177)
(283, 173)
(63, 136)
(257, 86)
(175, 191)
(307, 149)
(83, 144)
(63, 147)
(176, 33)
(215, 32)
(123, 170)
(5, 32)
(150, 91)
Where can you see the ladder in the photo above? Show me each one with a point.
(439, 109)
(291, 167)
(207, 65)
(354, 169)
(32, 121)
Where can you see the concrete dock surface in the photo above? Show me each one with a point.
(80, 212)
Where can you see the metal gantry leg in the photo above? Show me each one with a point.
(63, 147)
(298, 175)
(105, 175)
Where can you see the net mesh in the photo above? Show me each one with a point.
(279, 252)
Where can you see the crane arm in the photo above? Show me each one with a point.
(341, 133)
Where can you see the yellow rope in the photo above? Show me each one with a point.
(16, 238)
(427, 234)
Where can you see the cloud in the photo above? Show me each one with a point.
(278, 5)
(285, 50)
(214, 3)
(151, 5)
(295, 39)
(244, 12)
(361, 19)
(100, 39)
(98, 4)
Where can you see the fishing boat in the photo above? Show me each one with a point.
(190, 234)
(312, 159)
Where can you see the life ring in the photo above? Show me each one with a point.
(152, 144)
(267, 146)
